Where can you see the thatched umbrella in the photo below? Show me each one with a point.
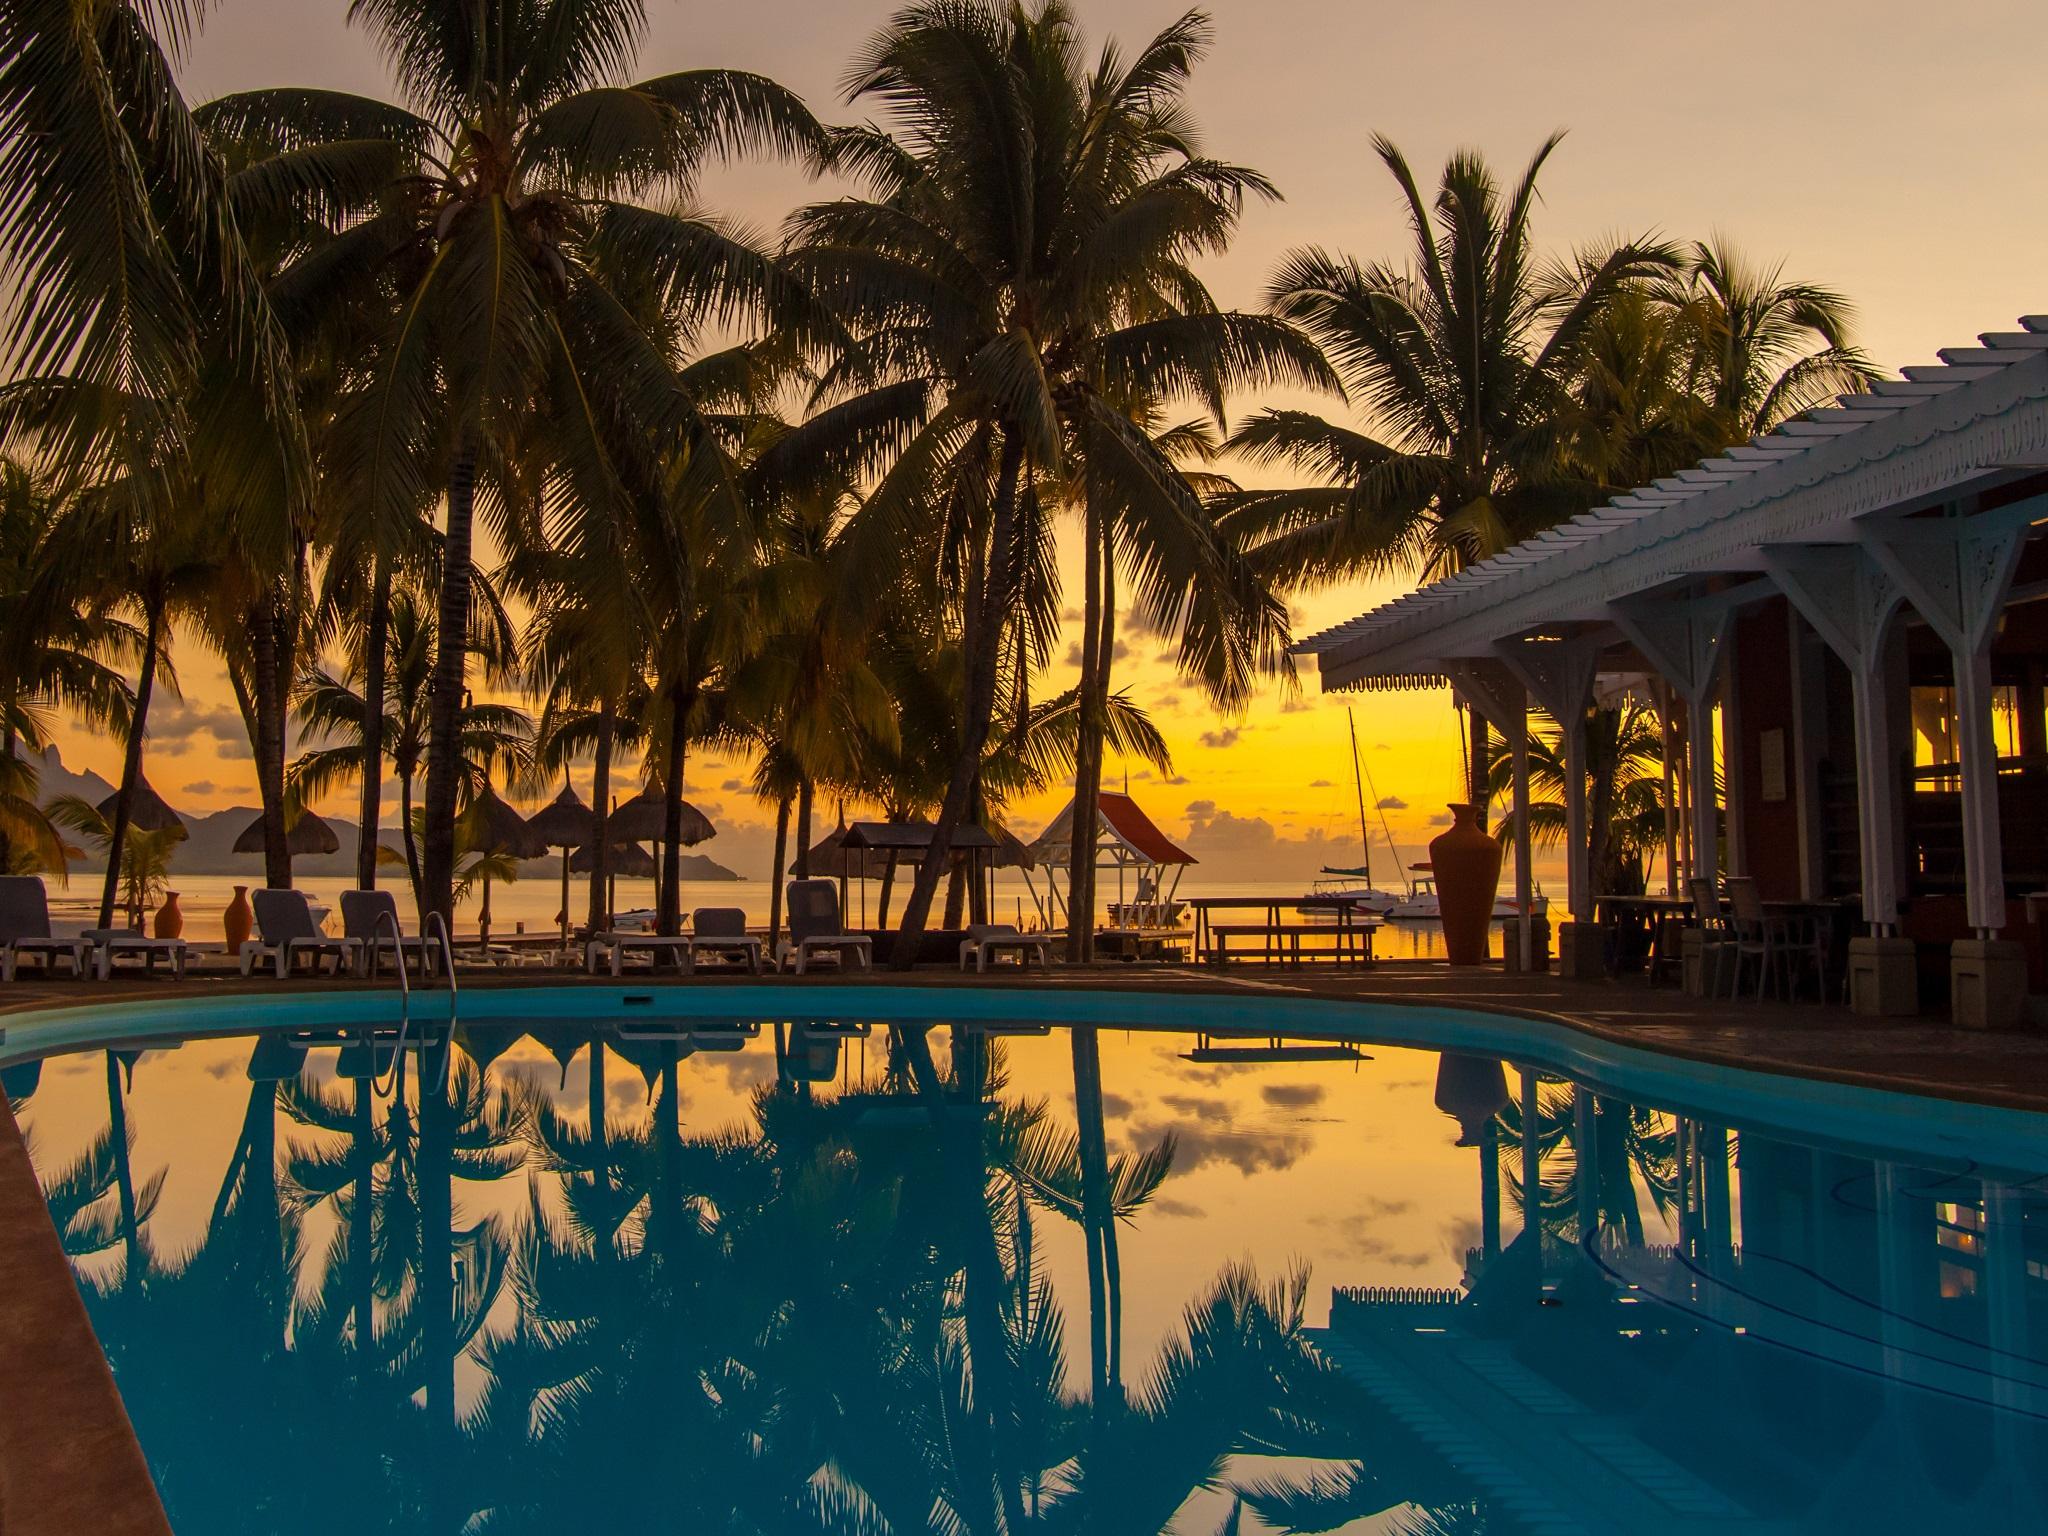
(308, 835)
(628, 859)
(644, 818)
(147, 810)
(564, 823)
(490, 826)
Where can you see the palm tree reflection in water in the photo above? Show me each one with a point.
(834, 1319)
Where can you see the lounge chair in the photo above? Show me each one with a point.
(815, 927)
(723, 931)
(25, 928)
(616, 945)
(986, 941)
(286, 930)
(362, 914)
(109, 944)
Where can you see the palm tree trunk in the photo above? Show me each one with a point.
(669, 903)
(360, 1238)
(956, 892)
(1477, 764)
(1091, 691)
(888, 887)
(1094, 1187)
(437, 1258)
(406, 836)
(131, 759)
(124, 1177)
(805, 793)
(265, 671)
(599, 912)
(373, 725)
(444, 707)
(979, 636)
(775, 875)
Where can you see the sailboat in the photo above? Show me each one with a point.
(1356, 884)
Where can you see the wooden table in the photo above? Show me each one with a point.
(1635, 927)
(1352, 929)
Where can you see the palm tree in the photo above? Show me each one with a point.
(526, 154)
(1464, 358)
(1625, 786)
(330, 709)
(1015, 274)
(1763, 349)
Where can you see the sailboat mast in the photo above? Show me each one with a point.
(1358, 784)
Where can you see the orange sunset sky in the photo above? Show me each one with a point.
(1888, 149)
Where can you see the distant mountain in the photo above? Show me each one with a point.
(209, 850)
(54, 779)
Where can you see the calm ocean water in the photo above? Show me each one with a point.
(532, 905)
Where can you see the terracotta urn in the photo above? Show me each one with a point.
(170, 918)
(1466, 862)
(238, 920)
(1471, 1090)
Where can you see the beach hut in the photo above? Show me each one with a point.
(1147, 862)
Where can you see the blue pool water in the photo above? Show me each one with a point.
(908, 1261)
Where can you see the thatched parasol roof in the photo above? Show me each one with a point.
(868, 845)
(564, 822)
(628, 860)
(491, 826)
(147, 810)
(642, 818)
(308, 835)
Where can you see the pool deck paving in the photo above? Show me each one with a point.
(68, 1457)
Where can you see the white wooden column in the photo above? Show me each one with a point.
(1560, 675)
(1956, 572)
(1851, 601)
(1684, 640)
(1499, 697)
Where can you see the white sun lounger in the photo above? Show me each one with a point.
(25, 928)
(615, 946)
(722, 931)
(986, 941)
(286, 930)
(816, 928)
(110, 944)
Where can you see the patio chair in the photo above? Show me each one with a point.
(1753, 933)
(816, 927)
(285, 930)
(1717, 943)
(612, 947)
(362, 920)
(25, 928)
(722, 931)
(987, 941)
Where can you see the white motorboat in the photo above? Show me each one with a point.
(1422, 906)
(1356, 887)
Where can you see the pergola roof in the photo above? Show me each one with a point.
(1973, 422)
(1124, 820)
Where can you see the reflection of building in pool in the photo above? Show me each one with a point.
(1848, 618)
(1814, 1340)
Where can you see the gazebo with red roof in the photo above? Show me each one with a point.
(1126, 840)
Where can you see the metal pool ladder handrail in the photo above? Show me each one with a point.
(383, 1088)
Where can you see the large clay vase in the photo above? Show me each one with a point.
(1471, 1090)
(238, 920)
(170, 918)
(1466, 862)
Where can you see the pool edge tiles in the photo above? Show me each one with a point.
(69, 1459)
(1835, 1105)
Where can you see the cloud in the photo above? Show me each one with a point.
(1236, 847)
(1390, 803)
(732, 786)
(1248, 1151)
(198, 787)
(1292, 1095)
(1296, 704)
(1320, 784)
(1223, 738)
(1117, 652)
(1178, 778)
(1440, 819)
(1166, 1205)
(176, 724)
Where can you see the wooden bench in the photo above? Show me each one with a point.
(1283, 941)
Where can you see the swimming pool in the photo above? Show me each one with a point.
(919, 1259)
